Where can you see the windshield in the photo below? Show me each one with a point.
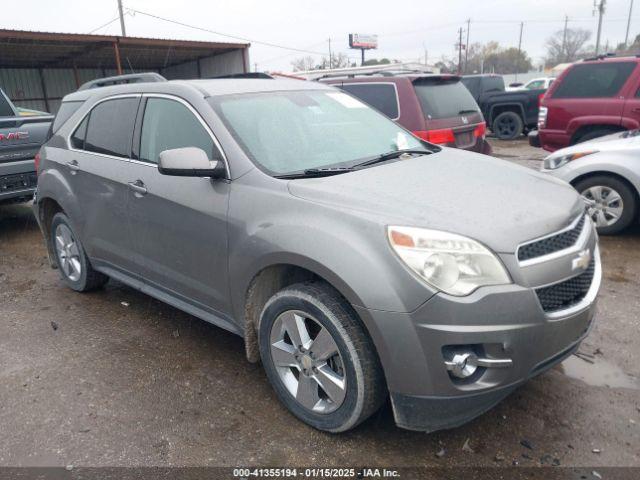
(293, 131)
(443, 98)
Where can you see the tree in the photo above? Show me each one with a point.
(375, 61)
(491, 57)
(561, 50)
(338, 60)
(303, 63)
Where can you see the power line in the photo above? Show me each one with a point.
(244, 39)
(105, 25)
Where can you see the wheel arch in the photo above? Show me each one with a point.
(607, 173)
(273, 277)
(499, 108)
(586, 129)
(47, 208)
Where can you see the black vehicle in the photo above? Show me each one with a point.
(508, 114)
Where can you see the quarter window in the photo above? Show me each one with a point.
(168, 124)
(380, 97)
(77, 137)
(111, 126)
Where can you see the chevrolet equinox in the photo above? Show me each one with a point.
(357, 261)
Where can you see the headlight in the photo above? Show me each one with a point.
(451, 263)
(551, 162)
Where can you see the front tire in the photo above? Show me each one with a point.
(319, 359)
(612, 205)
(74, 266)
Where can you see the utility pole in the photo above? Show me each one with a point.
(466, 48)
(330, 56)
(124, 31)
(626, 37)
(255, 67)
(460, 51)
(564, 39)
(600, 8)
(519, 50)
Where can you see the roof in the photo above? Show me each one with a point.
(19, 48)
(208, 87)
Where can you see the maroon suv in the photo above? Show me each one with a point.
(436, 108)
(590, 99)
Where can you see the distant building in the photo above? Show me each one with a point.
(388, 67)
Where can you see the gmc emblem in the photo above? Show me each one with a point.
(14, 136)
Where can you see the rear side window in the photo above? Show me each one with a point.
(168, 124)
(382, 97)
(594, 80)
(111, 126)
(5, 107)
(64, 113)
(444, 98)
(493, 84)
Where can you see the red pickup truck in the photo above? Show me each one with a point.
(590, 99)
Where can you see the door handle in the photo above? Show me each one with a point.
(138, 187)
(73, 166)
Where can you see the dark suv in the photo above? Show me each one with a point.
(435, 108)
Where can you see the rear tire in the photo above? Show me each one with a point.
(608, 197)
(336, 348)
(74, 266)
(508, 126)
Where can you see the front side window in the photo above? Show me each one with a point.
(594, 80)
(291, 131)
(380, 96)
(110, 127)
(535, 85)
(168, 124)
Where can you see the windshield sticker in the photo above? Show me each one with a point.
(402, 143)
(346, 100)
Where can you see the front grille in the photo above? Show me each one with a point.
(22, 181)
(568, 293)
(551, 244)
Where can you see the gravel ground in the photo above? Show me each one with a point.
(115, 378)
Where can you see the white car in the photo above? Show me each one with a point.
(606, 172)
(542, 83)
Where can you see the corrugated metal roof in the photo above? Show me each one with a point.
(20, 48)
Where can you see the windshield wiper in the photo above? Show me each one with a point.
(316, 172)
(462, 112)
(391, 155)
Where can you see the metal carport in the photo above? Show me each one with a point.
(38, 68)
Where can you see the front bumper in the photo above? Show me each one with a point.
(500, 322)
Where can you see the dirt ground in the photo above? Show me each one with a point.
(115, 378)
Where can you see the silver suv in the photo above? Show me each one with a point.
(357, 261)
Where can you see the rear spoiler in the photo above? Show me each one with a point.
(123, 79)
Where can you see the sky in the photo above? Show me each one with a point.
(406, 29)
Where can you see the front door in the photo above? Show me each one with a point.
(178, 224)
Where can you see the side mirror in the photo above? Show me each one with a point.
(189, 162)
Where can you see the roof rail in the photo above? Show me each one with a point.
(382, 73)
(244, 75)
(123, 79)
(610, 55)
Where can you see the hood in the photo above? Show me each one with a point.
(619, 141)
(496, 202)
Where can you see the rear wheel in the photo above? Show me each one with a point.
(508, 126)
(611, 204)
(72, 261)
(318, 358)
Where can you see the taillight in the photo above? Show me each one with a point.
(480, 131)
(542, 117)
(36, 160)
(436, 136)
(540, 97)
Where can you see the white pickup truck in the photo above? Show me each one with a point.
(22, 132)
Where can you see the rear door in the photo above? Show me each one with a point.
(97, 169)
(178, 224)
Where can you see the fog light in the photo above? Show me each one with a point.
(463, 365)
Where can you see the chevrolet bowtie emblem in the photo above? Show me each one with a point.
(582, 261)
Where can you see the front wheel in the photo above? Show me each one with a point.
(318, 358)
(611, 204)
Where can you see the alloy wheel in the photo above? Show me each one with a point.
(308, 361)
(68, 253)
(604, 205)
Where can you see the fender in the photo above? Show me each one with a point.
(517, 106)
(592, 120)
